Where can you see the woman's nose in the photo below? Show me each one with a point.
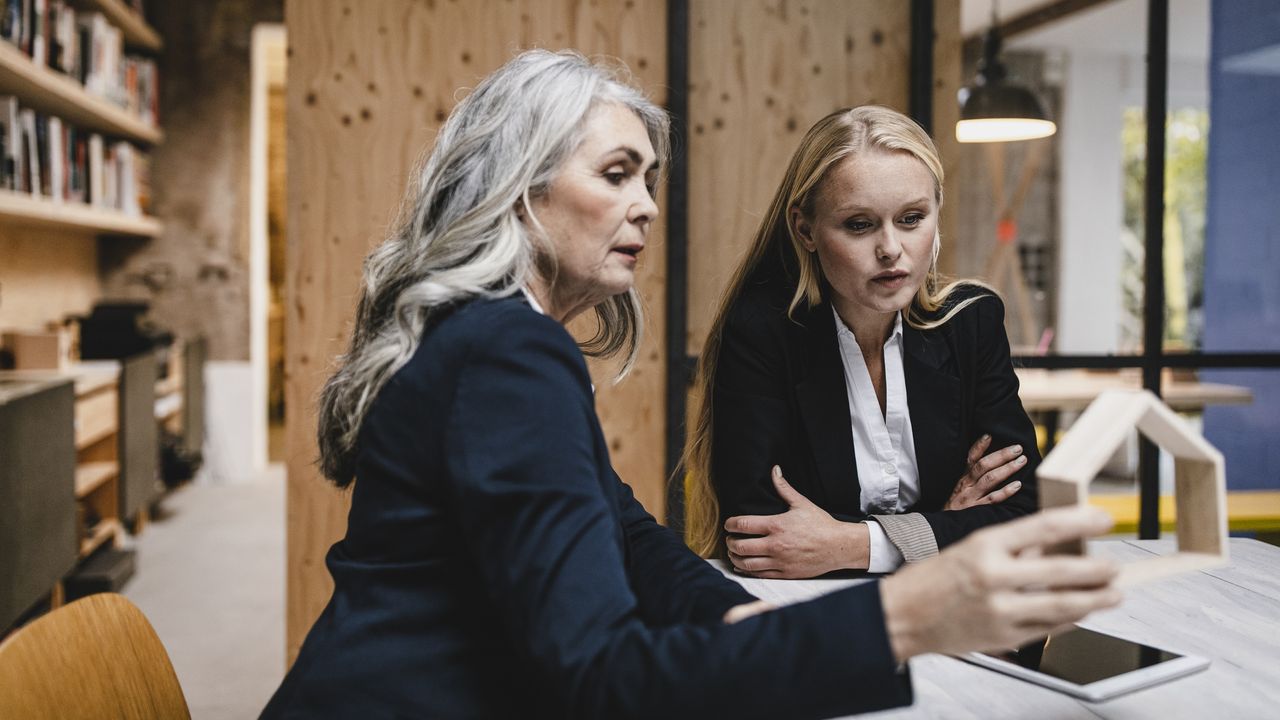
(644, 209)
(889, 247)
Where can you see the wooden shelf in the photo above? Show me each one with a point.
(52, 92)
(21, 209)
(92, 475)
(108, 529)
(134, 27)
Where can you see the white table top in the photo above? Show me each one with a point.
(88, 375)
(1230, 615)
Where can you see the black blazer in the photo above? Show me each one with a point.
(780, 398)
(495, 566)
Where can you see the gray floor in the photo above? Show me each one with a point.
(211, 580)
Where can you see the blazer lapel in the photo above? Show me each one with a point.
(824, 407)
(934, 400)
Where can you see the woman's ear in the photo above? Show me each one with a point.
(801, 227)
(519, 208)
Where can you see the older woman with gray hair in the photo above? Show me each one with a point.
(494, 565)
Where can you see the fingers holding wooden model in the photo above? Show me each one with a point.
(995, 590)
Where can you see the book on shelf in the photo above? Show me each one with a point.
(95, 170)
(30, 159)
(43, 156)
(55, 156)
(39, 50)
(11, 146)
(64, 38)
(86, 47)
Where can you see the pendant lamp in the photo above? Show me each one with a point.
(994, 110)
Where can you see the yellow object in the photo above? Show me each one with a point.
(1247, 510)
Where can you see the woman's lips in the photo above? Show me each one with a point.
(630, 252)
(891, 282)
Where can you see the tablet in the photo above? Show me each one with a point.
(1089, 664)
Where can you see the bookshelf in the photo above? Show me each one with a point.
(105, 530)
(56, 94)
(24, 210)
(91, 159)
(92, 475)
(137, 33)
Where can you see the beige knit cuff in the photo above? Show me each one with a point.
(911, 533)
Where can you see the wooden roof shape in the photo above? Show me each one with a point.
(1199, 478)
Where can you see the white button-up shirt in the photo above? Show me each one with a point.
(883, 444)
(533, 301)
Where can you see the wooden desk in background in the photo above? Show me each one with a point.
(1230, 615)
(1047, 393)
(1068, 390)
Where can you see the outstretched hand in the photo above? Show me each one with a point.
(803, 542)
(996, 590)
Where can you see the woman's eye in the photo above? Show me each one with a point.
(615, 177)
(912, 220)
(858, 225)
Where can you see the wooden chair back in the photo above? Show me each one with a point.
(96, 657)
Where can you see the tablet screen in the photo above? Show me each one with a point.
(1082, 656)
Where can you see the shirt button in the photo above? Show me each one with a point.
(890, 469)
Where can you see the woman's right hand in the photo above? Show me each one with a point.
(980, 485)
(996, 590)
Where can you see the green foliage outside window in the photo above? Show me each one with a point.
(1186, 148)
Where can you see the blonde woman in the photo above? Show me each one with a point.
(849, 395)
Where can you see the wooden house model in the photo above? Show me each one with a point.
(1199, 479)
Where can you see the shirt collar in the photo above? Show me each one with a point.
(895, 334)
(533, 301)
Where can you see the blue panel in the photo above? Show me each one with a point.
(1242, 234)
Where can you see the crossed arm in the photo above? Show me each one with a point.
(796, 538)
(806, 541)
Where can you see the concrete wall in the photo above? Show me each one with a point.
(1090, 303)
(196, 274)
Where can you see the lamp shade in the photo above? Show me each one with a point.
(1000, 112)
(993, 110)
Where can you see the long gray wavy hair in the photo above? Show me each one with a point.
(459, 236)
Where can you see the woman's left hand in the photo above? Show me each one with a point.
(981, 482)
(803, 542)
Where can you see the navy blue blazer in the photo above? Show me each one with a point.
(780, 398)
(495, 566)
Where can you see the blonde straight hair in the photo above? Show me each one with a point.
(842, 134)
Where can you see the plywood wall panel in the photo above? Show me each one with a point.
(947, 81)
(45, 276)
(369, 82)
(762, 72)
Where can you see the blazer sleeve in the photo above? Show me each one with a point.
(749, 433)
(545, 542)
(671, 584)
(998, 411)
